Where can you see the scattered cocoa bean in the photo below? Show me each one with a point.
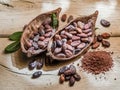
(73, 69)
(105, 35)
(77, 77)
(62, 70)
(75, 38)
(68, 72)
(64, 17)
(95, 45)
(105, 44)
(99, 38)
(70, 18)
(104, 23)
(62, 78)
(36, 74)
(71, 81)
(32, 65)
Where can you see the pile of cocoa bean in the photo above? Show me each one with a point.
(101, 39)
(39, 40)
(72, 39)
(68, 73)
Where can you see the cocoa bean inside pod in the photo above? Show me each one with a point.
(74, 39)
(39, 31)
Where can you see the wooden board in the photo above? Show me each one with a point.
(14, 19)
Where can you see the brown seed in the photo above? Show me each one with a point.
(77, 77)
(82, 45)
(73, 32)
(57, 37)
(62, 78)
(68, 53)
(69, 42)
(70, 18)
(105, 43)
(105, 35)
(41, 44)
(71, 81)
(75, 43)
(85, 40)
(59, 43)
(95, 45)
(75, 24)
(99, 38)
(75, 38)
(68, 72)
(35, 45)
(89, 34)
(70, 28)
(48, 34)
(57, 50)
(62, 70)
(73, 69)
(69, 47)
(80, 24)
(48, 30)
(68, 35)
(39, 65)
(36, 38)
(41, 38)
(87, 26)
(87, 31)
(78, 30)
(82, 35)
(63, 36)
(64, 17)
(61, 55)
(104, 23)
(36, 74)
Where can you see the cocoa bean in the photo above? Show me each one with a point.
(70, 18)
(80, 24)
(99, 38)
(62, 78)
(36, 74)
(67, 78)
(76, 51)
(88, 25)
(104, 23)
(35, 45)
(68, 35)
(75, 43)
(39, 65)
(70, 27)
(69, 47)
(57, 37)
(64, 17)
(94, 40)
(63, 36)
(48, 34)
(85, 40)
(75, 24)
(68, 53)
(36, 38)
(105, 35)
(73, 69)
(87, 31)
(64, 40)
(73, 32)
(47, 21)
(57, 50)
(71, 81)
(89, 34)
(77, 77)
(68, 72)
(41, 44)
(41, 38)
(61, 55)
(62, 32)
(82, 45)
(95, 45)
(75, 38)
(59, 43)
(78, 30)
(62, 70)
(83, 35)
(48, 30)
(105, 43)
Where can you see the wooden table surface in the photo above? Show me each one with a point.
(23, 11)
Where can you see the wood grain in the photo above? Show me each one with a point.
(23, 11)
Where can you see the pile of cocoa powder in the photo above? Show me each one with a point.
(97, 62)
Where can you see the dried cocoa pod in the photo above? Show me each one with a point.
(36, 28)
(74, 41)
(64, 17)
(63, 69)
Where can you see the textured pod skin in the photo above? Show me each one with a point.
(84, 19)
(30, 29)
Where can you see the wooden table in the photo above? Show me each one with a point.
(23, 11)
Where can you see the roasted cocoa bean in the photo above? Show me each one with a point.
(70, 18)
(36, 74)
(80, 24)
(47, 26)
(32, 65)
(68, 35)
(82, 35)
(105, 43)
(68, 53)
(36, 38)
(63, 69)
(59, 43)
(77, 77)
(85, 40)
(82, 45)
(68, 72)
(67, 78)
(41, 38)
(104, 23)
(75, 38)
(73, 69)
(62, 78)
(71, 81)
(61, 55)
(99, 38)
(79, 30)
(64, 17)
(95, 45)
(105, 35)
(75, 43)
(57, 50)
(39, 65)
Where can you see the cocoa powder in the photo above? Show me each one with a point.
(97, 62)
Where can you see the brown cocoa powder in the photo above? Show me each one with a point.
(97, 62)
